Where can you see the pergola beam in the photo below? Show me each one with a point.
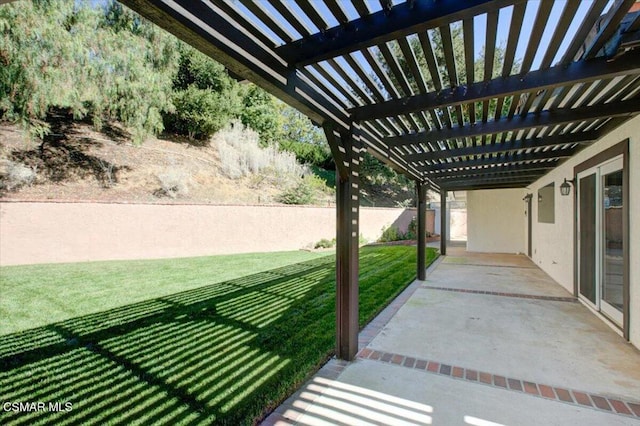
(470, 185)
(528, 121)
(498, 168)
(549, 78)
(526, 174)
(502, 160)
(401, 20)
(547, 141)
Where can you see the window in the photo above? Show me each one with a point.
(546, 204)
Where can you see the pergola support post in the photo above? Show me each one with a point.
(421, 189)
(443, 222)
(346, 149)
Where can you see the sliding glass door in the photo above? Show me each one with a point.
(600, 238)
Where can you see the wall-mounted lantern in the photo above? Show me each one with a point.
(565, 188)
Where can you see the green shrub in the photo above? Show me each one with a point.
(317, 183)
(325, 243)
(306, 190)
(302, 193)
(200, 113)
(260, 112)
(198, 70)
(412, 230)
(328, 176)
(390, 233)
(307, 153)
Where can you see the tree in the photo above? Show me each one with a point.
(206, 99)
(306, 141)
(105, 63)
(199, 113)
(260, 112)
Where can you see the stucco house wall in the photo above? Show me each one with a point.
(553, 244)
(494, 221)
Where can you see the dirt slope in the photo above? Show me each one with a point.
(77, 163)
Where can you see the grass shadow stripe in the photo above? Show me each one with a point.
(150, 378)
(198, 359)
(176, 350)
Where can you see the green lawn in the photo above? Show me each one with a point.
(36, 295)
(188, 341)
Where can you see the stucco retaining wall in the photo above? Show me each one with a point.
(49, 232)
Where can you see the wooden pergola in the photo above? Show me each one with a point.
(405, 81)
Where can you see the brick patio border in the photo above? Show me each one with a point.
(571, 396)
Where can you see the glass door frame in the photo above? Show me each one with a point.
(607, 309)
(596, 215)
(620, 149)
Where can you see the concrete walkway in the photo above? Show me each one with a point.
(487, 339)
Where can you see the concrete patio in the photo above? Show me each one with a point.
(486, 339)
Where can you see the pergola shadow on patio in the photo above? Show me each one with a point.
(486, 339)
(409, 82)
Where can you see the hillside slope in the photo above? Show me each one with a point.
(77, 163)
(82, 164)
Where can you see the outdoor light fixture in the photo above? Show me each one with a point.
(565, 188)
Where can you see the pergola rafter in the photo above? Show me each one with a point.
(491, 177)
